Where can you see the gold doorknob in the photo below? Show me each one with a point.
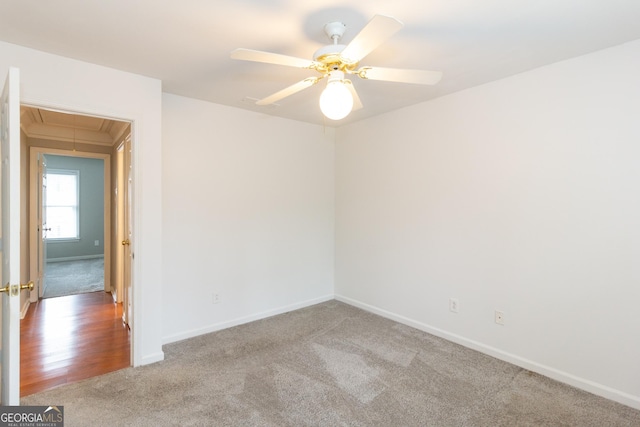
(16, 288)
(126, 242)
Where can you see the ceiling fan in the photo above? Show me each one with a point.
(335, 61)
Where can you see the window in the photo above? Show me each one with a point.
(62, 204)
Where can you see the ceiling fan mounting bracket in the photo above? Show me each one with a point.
(335, 31)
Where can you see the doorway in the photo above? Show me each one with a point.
(72, 216)
(55, 142)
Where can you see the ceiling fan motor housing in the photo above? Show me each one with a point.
(329, 55)
(331, 50)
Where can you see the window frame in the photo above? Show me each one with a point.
(76, 173)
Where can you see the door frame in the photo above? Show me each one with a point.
(34, 235)
(134, 357)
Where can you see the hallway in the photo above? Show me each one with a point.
(71, 338)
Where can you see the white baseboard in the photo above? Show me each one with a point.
(25, 307)
(74, 258)
(581, 383)
(242, 320)
(151, 358)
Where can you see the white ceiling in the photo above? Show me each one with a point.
(186, 44)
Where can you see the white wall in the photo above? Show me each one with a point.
(521, 195)
(55, 82)
(248, 213)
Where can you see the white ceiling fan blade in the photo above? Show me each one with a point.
(376, 32)
(271, 58)
(357, 104)
(420, 77)
(288, 91)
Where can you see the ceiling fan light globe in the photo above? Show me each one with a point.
(336, 101)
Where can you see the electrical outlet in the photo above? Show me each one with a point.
(499, 317)
(453, 305)
(215, 298)
(96, 243)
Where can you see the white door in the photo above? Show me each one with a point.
(42, 224)
(128, 252)
(10, 243)
(119, 210)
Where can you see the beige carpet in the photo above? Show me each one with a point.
(328, 365)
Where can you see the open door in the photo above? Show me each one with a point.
(41, 226)
(127, 242)
(10, 239)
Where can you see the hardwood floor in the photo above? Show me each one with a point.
(67, 339)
